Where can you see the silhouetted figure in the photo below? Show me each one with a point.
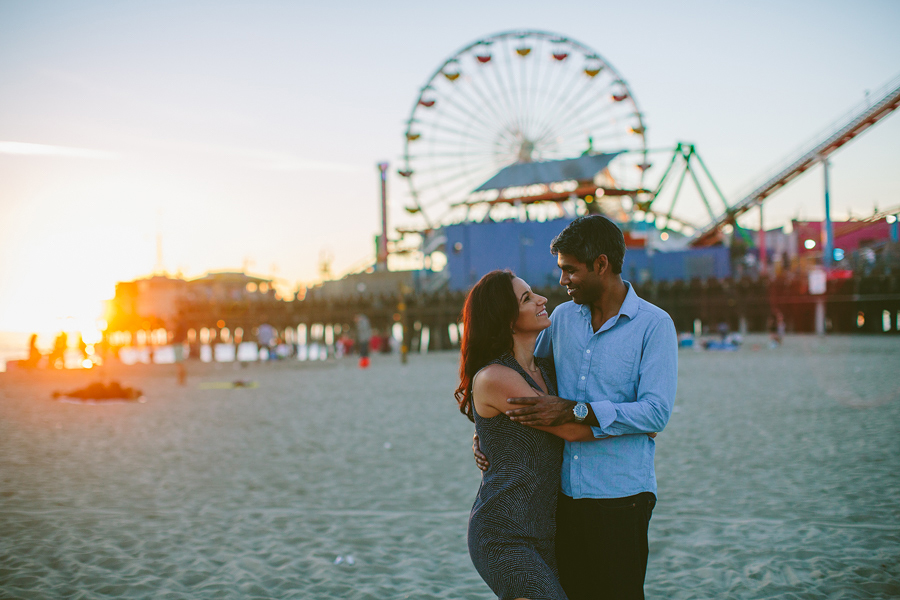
(34, 355)
(265, 337)
(363, 339)
(58, 355)
(82, 347)
(776, 328)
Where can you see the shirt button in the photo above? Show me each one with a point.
(576, 457)
(582, 377)
(588, 351)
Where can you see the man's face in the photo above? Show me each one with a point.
(583, 283)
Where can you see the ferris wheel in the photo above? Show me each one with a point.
(516, 97)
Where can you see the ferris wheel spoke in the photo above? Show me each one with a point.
(560, 109)
(478, 171)
(455, 169)
(485, 102)
(529, 74)
(437, 146)
(567, 125)
(567, 113)
(440, 173)
(489, 108)
(591, 106)
(446, 151)
(438, 127)
(450, 155)
(482, 119)
(541, 81)
(497, 97)
(555, 88)
(507, 91)
(444, 192)
(470, 134)
(592, 102)
(491, 98)
(436, 169)
(515, 88)
(598, 124)
(571, 78)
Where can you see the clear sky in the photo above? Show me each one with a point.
(248, 132)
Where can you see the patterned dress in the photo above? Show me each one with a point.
(512, 525)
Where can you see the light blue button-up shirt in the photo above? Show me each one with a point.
(627, 370)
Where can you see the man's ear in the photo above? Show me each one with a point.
(600, 263)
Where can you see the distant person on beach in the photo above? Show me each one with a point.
(57, 359)
(265, 338)
(511, 527)
(34, 355)
(363, 339)
(616, 361)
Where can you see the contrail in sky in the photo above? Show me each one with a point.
(23, 148)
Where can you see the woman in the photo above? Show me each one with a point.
(512, 526)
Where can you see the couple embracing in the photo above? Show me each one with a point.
(565, 415)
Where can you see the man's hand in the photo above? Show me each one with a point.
(542, 411)
(481, 460)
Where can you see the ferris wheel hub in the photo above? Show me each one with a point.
(526, 151)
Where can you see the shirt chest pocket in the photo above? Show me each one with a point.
(617, 367)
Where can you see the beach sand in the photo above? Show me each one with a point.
(779, 477)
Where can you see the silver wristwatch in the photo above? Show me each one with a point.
(581, 411)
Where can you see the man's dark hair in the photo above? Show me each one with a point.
(586, 238)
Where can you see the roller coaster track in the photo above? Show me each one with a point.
(858, 120)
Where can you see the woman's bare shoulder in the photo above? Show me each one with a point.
(498, 379)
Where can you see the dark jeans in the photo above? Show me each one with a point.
(601, 546)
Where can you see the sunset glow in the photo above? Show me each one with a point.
(217, 152)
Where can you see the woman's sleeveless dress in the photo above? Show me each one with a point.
(512, 525)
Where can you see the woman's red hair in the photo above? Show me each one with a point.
(488, 315)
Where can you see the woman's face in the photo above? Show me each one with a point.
(532, 309)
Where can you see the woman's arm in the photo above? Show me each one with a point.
(495, 383)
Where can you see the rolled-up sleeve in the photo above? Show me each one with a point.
(656, 386)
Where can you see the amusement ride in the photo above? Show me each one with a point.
(533, 125)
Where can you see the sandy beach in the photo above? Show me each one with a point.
(779, 477)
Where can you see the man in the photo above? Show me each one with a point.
(616, 362)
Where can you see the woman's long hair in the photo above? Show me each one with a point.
(488, 315)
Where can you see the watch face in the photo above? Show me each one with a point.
(581, 410)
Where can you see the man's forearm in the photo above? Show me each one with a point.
(547, 411)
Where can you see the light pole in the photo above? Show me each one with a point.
(827, 231)
(382, 242)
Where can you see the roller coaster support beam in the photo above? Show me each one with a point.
(686, 152)
(827, 232)
(711, 180)
(672, 207)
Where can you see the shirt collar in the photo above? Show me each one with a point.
(629, 306)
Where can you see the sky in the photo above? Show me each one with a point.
(246, 134)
